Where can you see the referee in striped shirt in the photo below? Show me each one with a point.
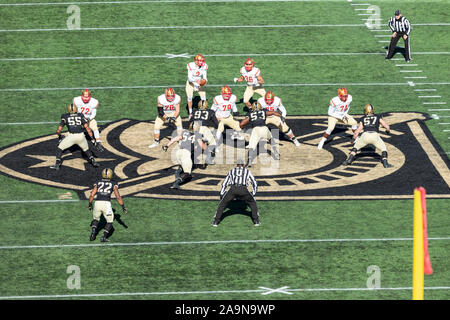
(400, 27)
(238, 179)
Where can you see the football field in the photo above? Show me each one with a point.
(326, 233)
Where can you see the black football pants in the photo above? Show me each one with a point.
(393, 45)
(234, 192)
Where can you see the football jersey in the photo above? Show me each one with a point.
(105, 188)
(257, 118)
(276, 106)
(189, 140)
(339, 108)
(168, 107)
(222, 107)
(251, 77)
(371, 123)
(88, 109)
(204, 118)
(74, 122)
(195, 72)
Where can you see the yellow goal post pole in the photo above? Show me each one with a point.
(418, 249)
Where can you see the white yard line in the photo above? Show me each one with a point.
(410, 70)
(168, 56)
(440, 110)
(34, 201)
(423, 97)
(164, 243)
(208, 27)
(424, 89)
(209, 292)
(415, 77)
(42, 122)
(406, 65)
(434, 102)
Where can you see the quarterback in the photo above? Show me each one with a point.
(252, 77)
(87, 105)
(338, 112)
(196, 80)
(168, 111)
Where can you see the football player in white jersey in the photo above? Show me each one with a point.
(338, 112)
(224, 106)
(168, 111)
(270, 102)
(252, 76)
(196, 80)
(87, 105)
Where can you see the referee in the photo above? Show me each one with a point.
(400, 27)
(238, 179)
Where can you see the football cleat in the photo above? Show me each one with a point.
(85, 95)
(297, 144)
(72, 108)
(104, 239)
(170, 94)
(176, 185)
(99, 147)
(249, 63)
(154, 144)
(256, 222)
(226, 92)
(386, 164)
(93, 235)
(368, 108)
(107, 174)
(56, 166)
(199, 60)
(269, 97)
(214, 223)
(343, 94)
(94, 163)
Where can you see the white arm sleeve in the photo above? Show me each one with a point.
(283, 110)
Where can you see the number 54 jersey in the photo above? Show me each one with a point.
(104, 189)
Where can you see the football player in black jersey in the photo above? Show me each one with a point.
(76, 124)
(103, 189)
(189, 144)
(204, 121)
(370, 122)
(257, 117)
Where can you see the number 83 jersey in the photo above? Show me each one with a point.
(74, 122)
(104, 189)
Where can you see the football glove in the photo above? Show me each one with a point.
(235, 80)
(124, 209)
(388, 132)
(90, 206)
(165, 148)
(236, 114)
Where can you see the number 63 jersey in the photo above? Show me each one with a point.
(104, 189)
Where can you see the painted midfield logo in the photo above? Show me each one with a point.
(303, 173)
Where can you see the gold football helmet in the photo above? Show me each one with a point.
(107, 174)
(203, 104)
(368, 108)
(72, 108)
(255, 106)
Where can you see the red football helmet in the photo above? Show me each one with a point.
(226, 92)
(85, 95)
(199, 60)
(343, 94)
(269, 97)
(249, 63)
(170, 94)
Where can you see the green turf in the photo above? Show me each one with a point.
(214, 267)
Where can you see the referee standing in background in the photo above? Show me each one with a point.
(238, 179)
(400, 27)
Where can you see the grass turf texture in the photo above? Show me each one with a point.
(213, 267)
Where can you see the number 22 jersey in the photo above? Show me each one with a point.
(104, 189)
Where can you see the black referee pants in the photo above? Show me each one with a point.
(234, 192)
(393, 45)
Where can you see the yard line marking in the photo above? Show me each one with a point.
(362, 9)
(166, 56)
(382, 35)
(397, 59)
(440, 110)
(446, 130)
(424, 89)
(35, 201)
(378, 30)
(261, 291)
(410, 70)
(406, 65)
(430, 97)
(220, 85)
(365, 14)
(146, 1)
(159, 243)
(360, 4)
(43, 122)
(444, 123)
(280, 290)
(415, 77)
(208, 27)
(434, 102)
(384, 41)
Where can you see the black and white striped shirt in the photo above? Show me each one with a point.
(401, 25)
(239, 176)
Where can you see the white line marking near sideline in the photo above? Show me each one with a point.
(43, 122)
(406, 65)
(410, 70)
(434, 102)
(208, 27)
(35, 201)
(147, 1)
(440, 110)
(220, 55)
(382, 36)
(415, 77)
(424, 89)
(430, 97)
(261, 291)
(231, 85)
(159, 243)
